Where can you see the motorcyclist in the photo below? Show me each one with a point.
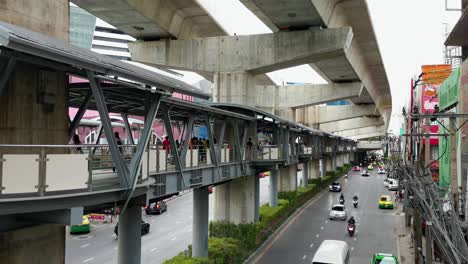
(351, 221)
(355, 197)
(341, 196)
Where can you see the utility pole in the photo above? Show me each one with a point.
(427, 162)
(453, 164)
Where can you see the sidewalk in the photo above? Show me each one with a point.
(404, 243)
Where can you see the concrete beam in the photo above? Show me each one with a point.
(363, 53)
(253, 53)
(295, 96)
(370, 135)
(333, 113)
(146, 19)
(359, 132)
(351, 124)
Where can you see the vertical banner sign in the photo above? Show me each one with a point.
(428, 101)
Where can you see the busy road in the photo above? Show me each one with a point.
(375, 231)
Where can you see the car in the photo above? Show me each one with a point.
(158, 208)
(356, 168)
(392, 185)
(381, 171)
(338, 211)
(83, 228)
(335, 187)
(370, 167)
(383, 258)
(386, 181)
(365, 173)
(145, 228)
(385, 202)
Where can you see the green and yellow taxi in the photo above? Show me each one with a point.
(382, 258)
(385, 202)
(370, 167)
(83, 228)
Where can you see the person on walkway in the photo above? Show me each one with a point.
(76, 141)
(119, 143)
(166, 144)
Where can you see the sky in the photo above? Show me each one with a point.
(410, 33)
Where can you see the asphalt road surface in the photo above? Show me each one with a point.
(170, 233)
(300, 239)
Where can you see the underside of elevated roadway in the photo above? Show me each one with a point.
(364, 56)
(166, 26)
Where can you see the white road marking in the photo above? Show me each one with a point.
(304, 257)
(317, 235)
(87, 260)
(354, 239)
(153, 249)
(311, 245)
(85, 245)
(321, 227)
(115, 248)
(352, 248)
(174, 238)
(326, 221)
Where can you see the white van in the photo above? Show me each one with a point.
(332, 252)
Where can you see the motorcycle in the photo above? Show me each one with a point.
(351, 229)
(346, 175)
(355, 203)
(341, 200)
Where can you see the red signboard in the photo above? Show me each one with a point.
(428, 101)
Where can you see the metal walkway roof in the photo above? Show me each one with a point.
(56, 50)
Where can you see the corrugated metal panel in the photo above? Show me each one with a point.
(33, 43)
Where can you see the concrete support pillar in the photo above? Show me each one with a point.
(333, 163)
(36, 244)
(353, 157)
(234, 201)
(305, 173)
(200, 222)
(257, 198)
(27, 117)
(129, 245)
(288, 179)
(323, 166)
(234, 87)
(274, 188)
(314, 169)
(330, 164)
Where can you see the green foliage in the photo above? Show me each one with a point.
(226, 250)
(181, 259)
(267, 213)
(220, 250)
(245, 233)
(290, 196)
(314, 181)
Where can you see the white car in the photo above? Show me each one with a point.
(338, 211)
(392, 185)
(381, 171)
(385, 182)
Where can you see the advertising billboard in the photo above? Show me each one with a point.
(429, 99)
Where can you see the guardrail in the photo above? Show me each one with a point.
(39, 170)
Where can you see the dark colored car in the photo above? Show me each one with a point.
(145, 228)
(335, 187)
(157, 208)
